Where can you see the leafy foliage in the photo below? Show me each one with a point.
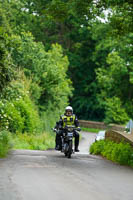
(115, 64)
(47, 69)
(121, 153)
(115, 112)
(6, 65)
(40, 83)
(66, 23)
(17, 111)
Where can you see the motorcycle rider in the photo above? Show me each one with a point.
(67, 119)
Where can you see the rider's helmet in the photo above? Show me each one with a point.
(69, 111)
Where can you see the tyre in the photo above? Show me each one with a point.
(69, 150)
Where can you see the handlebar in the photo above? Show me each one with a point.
(68, 127)
(73, 127)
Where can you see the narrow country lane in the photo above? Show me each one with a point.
(37, 175)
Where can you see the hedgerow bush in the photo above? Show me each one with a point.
(29, 114)
(18, 112)
(5, 144)
(97, 147)
(19, 116)
(121, 153)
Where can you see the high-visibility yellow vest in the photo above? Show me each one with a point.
(68, 120)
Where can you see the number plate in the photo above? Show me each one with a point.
(70, 134)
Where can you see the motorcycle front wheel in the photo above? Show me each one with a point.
(69, 150)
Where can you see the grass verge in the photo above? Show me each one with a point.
(33, 142)
(92, 130)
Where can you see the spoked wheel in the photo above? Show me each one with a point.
(69, 150)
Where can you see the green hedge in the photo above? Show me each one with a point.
(121, 153)
(19, 116)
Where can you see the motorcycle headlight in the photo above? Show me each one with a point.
(70, 129)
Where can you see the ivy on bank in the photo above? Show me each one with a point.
(121, 153)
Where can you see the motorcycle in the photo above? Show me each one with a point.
(67, 140)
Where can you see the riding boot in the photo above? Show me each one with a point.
(58, 142)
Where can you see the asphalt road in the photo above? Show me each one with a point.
(48, 175)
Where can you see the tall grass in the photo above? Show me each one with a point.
(5, 142)
(33, 142)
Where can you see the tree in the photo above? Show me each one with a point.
(115, 73)
(96, 49)
(66, 22)
(45, 71)
(6, 65)
(50, 84)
